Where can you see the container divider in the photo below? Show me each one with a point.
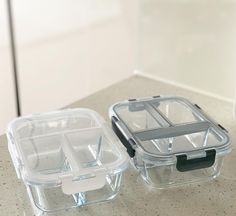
(96, 153)
(69, 154)
(162, 120)
(205, 138)
(169, 132)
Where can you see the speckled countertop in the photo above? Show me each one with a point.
(217, 197)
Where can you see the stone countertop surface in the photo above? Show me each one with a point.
(217, 197)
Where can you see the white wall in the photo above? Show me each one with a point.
(39, 19)
(190, 43)
(69, 49)
(7, 97)
(61, 70)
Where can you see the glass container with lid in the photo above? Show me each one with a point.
(67, 158)
(170, 140)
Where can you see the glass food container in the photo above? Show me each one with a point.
(170, 140)
(67, 158)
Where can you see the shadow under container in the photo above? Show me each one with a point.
(170, 140)
(67, 159)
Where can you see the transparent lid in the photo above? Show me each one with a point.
(167, 126)
(73, 147)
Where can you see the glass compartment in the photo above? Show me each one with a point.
(176, 111)
(44, 155)
(136, 117)
(91, 148)
(36, 126)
